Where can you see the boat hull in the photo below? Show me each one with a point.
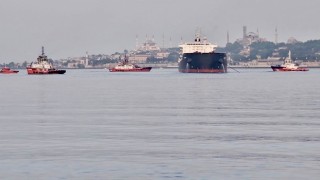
(9, 72)
(284, 69)
(143, 69)
(37, 71)
(203, 63)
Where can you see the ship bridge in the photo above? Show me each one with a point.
(198, 46)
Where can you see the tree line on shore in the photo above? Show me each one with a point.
(306, 51)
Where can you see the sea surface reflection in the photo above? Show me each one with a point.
(93, 124)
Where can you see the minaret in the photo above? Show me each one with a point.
(244, 32)
(258, 32)
(87, 59)
(276, 36)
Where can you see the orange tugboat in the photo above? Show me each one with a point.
(125, 66)
(288, 66)
(7, 70)
(43, 66)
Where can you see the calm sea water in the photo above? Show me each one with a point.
(93, 124)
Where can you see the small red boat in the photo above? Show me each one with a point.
(125, 66)
(7, 70)
(288, 66)
(43, 66)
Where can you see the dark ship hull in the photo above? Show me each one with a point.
(203, 63)
(45, 71)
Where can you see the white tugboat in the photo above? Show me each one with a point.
(43, 66)
(125, 66)
(288, 65)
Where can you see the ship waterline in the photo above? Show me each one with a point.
(44, 71)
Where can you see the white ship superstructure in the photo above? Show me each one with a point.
(198, 46)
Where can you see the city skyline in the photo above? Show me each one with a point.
(72, 27)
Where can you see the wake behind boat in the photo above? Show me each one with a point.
(288, 66)
(125, 66)
(43, 66)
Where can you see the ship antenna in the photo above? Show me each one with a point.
(42, 51)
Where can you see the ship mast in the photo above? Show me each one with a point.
(290, 60)
(42, 57)
(42, 51)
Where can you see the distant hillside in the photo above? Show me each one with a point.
(306, 51)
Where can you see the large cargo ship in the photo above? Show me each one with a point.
(200, 57)
(43, 66)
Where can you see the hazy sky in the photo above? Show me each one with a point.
(69, 28)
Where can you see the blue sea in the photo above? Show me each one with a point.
(93, 124)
